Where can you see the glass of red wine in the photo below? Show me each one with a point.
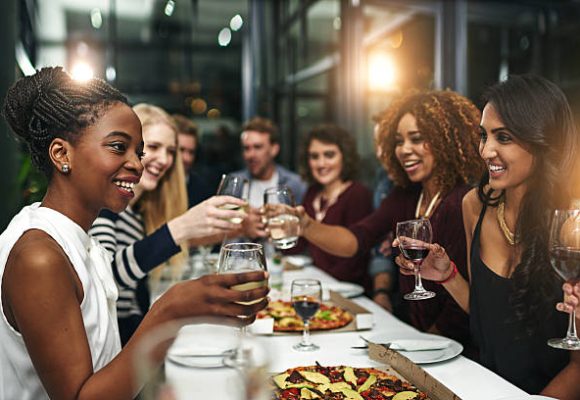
(565, 259)
(306, 298)
(414, 236)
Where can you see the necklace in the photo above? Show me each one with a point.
(509, 235)
(321, 204)
(430, 207)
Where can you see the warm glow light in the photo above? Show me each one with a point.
(214, 113)
(81, 71)
(381, 72)
(236, 22)
(224, 37)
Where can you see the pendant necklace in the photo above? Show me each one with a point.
(509, 235)
(430, 207)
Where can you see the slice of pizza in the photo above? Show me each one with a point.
(286, 319)
(342, 383)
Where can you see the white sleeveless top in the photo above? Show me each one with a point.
(18, 378)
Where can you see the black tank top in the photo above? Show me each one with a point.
(504, 347)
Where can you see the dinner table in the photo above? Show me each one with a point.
(463, 376)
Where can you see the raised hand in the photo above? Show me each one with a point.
(214, 216)
(571, 299)
(254, 225)
(435, 267)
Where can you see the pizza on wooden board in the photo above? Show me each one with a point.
(286, 319)
(342, 383)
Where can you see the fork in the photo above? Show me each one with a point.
(387, 344)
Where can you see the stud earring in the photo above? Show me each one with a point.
(65, 169)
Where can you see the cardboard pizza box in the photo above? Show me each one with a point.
(363, 319)
(411, 372)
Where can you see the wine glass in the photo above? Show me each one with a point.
(237, 258)
(306, 297)
(413, 236)
(565, 259)
(235, 186)
(192, 355)
(282, 224)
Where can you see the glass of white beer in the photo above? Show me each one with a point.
(234, 186)
(281, 222)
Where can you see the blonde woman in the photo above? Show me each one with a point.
(152, 231)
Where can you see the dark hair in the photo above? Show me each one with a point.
(537, 113)
(332, 134)
(185, 125)
(262, 125)
(449, 123)
(49, 105)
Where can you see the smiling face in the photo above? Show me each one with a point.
(105, 161)
(160, 148)
(508, 160)
(413, 151)
(259, 154)
(325, 162)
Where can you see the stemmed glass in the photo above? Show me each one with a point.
(565, 259)
(413, 236)
(282, 224)
(237, 258)
(235, 186)
(306, 297)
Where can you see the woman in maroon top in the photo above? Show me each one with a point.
(429, 143)
(329, 164)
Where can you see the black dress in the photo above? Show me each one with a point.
(524, 360)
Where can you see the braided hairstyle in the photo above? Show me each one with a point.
(49, 105)
(449, 123)
(536, 112)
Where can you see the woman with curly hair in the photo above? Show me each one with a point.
(529, 144)
(429, 147)
(330, 165)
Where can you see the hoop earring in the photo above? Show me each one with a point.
(65, 169)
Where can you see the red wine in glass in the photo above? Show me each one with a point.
(415, 254)
(566, 262)
(305, 308)
(564, 245)
(414, 236)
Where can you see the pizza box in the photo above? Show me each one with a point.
(363, 319)
(411, 372)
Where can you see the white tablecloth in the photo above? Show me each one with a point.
(466, 378)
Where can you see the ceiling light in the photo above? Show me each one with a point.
(225, 37)
(111, 73)
(96, 18)
(236, 22)
(169, 8)
(82, 71)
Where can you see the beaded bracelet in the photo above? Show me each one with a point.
(381, 290)
(451, 275)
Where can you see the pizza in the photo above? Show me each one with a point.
(342, 383)
(286, 319)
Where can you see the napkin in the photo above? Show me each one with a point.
(419, 344)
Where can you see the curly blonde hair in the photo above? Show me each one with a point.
(449, 124)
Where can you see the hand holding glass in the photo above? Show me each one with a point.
(282, 223)
(306, 297)
(413, 237)
(565, 259)
(234, 186)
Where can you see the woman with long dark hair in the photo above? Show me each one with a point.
(529, 144)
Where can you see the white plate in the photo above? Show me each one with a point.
(425, 356)
(527, 397)
(298, 260)
(202, 346)
(346, 289)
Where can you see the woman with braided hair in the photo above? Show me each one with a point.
(429, 148)
(58, 330)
